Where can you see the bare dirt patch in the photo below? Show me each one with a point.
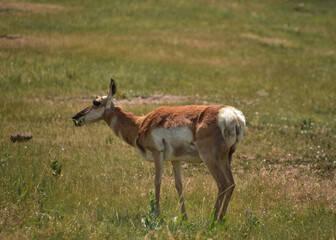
(23, 41)
(154, 99)
(21, 7)
(268, 41)
(158, 99)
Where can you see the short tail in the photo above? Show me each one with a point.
(240, 127)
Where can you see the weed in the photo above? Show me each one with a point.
(56, 167)
(131, 94)
(109, 140)
(251, 221)
(176, 223)
(41, 197)
(4, 159)
(307, 124)
(150, 221)
(217, 224)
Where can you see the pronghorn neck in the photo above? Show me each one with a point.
(124, 124)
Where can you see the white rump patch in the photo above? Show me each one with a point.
(231, 121)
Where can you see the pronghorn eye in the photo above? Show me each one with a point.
(96, 103)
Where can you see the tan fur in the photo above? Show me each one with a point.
(182, 133)
(127, 124)
(196, 118)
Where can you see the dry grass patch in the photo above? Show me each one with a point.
(35, 42)
(296, 185)
(189, 39)
(132, 46)
(268, 41)
(21, 7)
(221, 62)
(325, 53)
(13, 215)
(152, 99)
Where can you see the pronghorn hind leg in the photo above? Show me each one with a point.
(225, 165)
(210, 158)
(217, 174)
(177, 166)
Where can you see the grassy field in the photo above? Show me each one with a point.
(274, 60)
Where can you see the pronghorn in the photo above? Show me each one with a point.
(178, 134)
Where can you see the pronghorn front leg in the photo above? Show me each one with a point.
(177, 166)
(158, 162)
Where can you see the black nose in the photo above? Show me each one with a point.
(78, 115)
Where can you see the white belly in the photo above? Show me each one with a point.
(176, 144)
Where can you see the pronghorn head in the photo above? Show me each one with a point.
(98, 109)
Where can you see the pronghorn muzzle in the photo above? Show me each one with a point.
(79, 118)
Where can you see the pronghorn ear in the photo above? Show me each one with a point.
(112, 89)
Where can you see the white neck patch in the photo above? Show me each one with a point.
(95, 114)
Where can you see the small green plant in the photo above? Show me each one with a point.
(150, 221)
(176, 222)
(251, 222)
(56, 167)
(131, 94)
(23, 189)
(109, 140)
(307, 124)
(70, 74)
(41, 197)
(215, 224)
(251, 219)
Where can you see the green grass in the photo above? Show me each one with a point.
(274, 60)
